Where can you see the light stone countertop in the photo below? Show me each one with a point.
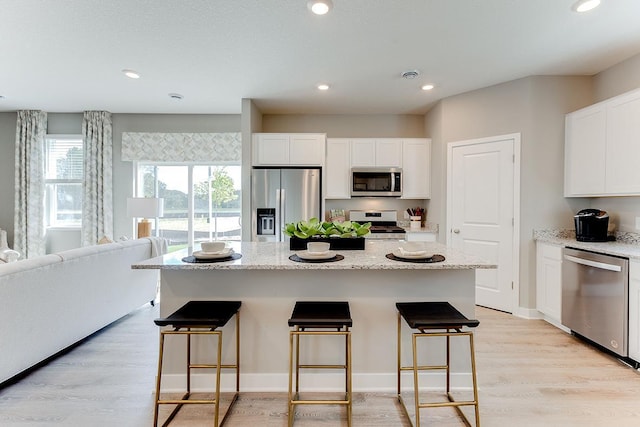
(626, 244)
(275, 256)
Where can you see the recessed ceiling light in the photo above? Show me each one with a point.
(176, 96)
(323, 87)
(585, 5)
(131, 74)
(319, 7)
(427, 87)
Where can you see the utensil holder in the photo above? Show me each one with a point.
(416, 222)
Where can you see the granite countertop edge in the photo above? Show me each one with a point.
(626, 244)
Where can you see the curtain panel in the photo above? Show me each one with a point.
(29, 229)
(97, 202)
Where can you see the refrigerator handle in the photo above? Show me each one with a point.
(278, 216)
(283, 214)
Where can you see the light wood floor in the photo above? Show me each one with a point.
(530, 374)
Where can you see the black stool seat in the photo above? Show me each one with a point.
(194, 314)
(433, 315)
(321, 314)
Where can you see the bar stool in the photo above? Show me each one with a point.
(322, 317)
(208, 315)
(427, 317)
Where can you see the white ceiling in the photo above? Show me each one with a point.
(67, 56)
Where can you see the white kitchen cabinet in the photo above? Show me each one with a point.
(585, 136)
(549, 281)
(369, 152)
(634, 310)
(338, 169)
(623, 145)
(420, 236)
(283, 149)
(601, 148)
(416, 168)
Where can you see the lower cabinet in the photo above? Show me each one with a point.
(634, 310)
(549, 281)
(417, 236)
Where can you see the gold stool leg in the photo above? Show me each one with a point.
(218, 369)
(475, 382)
(416, 387)
(349, 381)
(158, 379)
(290, 394)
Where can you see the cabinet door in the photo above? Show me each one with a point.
(549, 280)
(271, 149)
(420, 237)
(416, 169)
(363, 152)
(585, 139)
(338, 169)
(388, 152)
(623, 145)
(634, 310)
(306, 150)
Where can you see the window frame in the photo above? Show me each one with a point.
(51, 223)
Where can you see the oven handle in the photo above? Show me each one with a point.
(601, 265)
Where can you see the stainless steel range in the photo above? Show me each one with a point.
(381, 221)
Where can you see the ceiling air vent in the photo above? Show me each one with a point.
(412, 74)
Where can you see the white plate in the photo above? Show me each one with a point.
(412, 253)
(315, 255)
(213, 255)
(408, 255)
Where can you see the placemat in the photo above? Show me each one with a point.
(296, 258)
(193, 260)
(435, 258)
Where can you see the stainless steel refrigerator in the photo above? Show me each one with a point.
(280, 196)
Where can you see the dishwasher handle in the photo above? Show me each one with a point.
(595, 264)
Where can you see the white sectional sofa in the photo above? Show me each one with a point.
(51, 302)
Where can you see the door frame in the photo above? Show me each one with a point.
(515, 244)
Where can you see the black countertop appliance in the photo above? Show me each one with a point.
(591, 225)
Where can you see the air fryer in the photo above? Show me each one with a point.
(591, 225)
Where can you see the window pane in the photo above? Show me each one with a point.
(64, 204)
(64, 158)
(173, 187)
(217, 198)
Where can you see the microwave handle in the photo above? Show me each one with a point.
(395, 184)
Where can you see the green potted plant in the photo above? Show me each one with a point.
(340, 235)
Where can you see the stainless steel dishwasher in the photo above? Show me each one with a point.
(595, 298)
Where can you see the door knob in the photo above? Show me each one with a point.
(455, 230)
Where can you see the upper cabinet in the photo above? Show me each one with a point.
(284, 149)
(601, 148)
(413, 155)
(367, 152)
(338, 169)
(416, 168)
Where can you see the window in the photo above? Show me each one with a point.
(64, 173)
(201, 202)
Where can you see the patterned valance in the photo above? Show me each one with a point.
(182, 147)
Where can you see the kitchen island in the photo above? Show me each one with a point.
(268, 283)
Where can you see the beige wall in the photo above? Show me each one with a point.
(347, 126)
(534, 107)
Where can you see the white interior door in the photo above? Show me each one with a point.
(481, 213)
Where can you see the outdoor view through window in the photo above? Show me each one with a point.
(214, 212)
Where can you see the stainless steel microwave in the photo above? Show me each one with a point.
(376, 182)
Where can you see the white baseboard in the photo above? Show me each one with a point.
(527, 313)
(317, 382)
